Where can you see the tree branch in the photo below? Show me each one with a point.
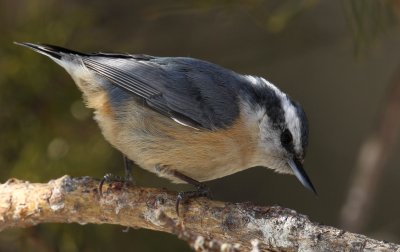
(204, 224)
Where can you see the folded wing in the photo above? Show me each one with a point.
(192, 92)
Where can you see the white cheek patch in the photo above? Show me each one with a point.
(291, 117)
(251, 113)
(257, 117)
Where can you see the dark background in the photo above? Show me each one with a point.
(337, 60)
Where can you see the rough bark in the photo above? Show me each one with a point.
(204, 224)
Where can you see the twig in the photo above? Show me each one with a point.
(204, 224)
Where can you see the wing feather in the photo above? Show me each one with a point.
(193, 93)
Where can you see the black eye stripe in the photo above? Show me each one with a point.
(287, 140)
(286, 136)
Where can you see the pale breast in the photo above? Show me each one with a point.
(151, 139)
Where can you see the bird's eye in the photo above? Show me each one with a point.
(286, 138)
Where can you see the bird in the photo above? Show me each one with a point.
(186, 119)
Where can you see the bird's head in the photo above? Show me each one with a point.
(283, 130)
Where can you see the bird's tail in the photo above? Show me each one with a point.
(71, 61)
(54, 52)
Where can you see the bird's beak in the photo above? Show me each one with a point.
(301, 175)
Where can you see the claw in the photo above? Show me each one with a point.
(105, 178)
(110, 178)
(178, 201)
(128, 180)
(201, 191)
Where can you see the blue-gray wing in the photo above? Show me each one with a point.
(190, 91)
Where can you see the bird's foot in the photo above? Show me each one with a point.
(201, 191)
(117, 182)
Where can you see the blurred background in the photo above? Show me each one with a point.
(339, 59)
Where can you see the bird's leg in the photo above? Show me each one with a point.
(201, 190)
(128, 180)
(128, 169)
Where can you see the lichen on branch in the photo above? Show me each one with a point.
(205, 224)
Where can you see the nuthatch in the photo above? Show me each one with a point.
(186, 119)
